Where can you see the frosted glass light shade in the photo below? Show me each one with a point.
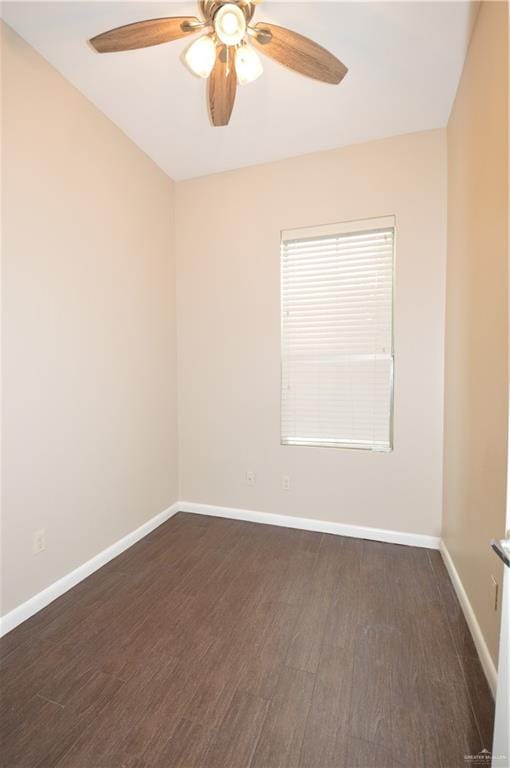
(230, 24)
(201, 55)
(248, 65)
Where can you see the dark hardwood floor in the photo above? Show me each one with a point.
(222, 644)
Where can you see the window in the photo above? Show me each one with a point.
(337, 335)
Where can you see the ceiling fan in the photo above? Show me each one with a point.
(223, 54)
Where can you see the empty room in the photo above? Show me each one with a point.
(255, 384)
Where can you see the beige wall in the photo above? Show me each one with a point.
(89, 439)
(476, 380)
(228, 229)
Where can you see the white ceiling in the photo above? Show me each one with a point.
(404, 59)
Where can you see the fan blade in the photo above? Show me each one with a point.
(222, 86)
(142, 34)
(298, 53)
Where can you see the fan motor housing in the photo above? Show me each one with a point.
(210, 7)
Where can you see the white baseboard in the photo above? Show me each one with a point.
(42, 599)
(311, 524)
(474, 627)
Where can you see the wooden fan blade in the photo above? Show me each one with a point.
(142, 34)
(298, 52)
(222, 86)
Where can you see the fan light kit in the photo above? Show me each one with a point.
(224, 54)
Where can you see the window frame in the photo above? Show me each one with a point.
(325, 230)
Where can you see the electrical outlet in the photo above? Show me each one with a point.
(285, 483)
(251, 478)
(39, 541)
(495, 592)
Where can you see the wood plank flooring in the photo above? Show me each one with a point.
(214, 643)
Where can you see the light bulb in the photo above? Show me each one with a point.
(201, 55)
(230, 24)
(248, 65)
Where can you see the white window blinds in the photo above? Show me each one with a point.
(337, 335)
